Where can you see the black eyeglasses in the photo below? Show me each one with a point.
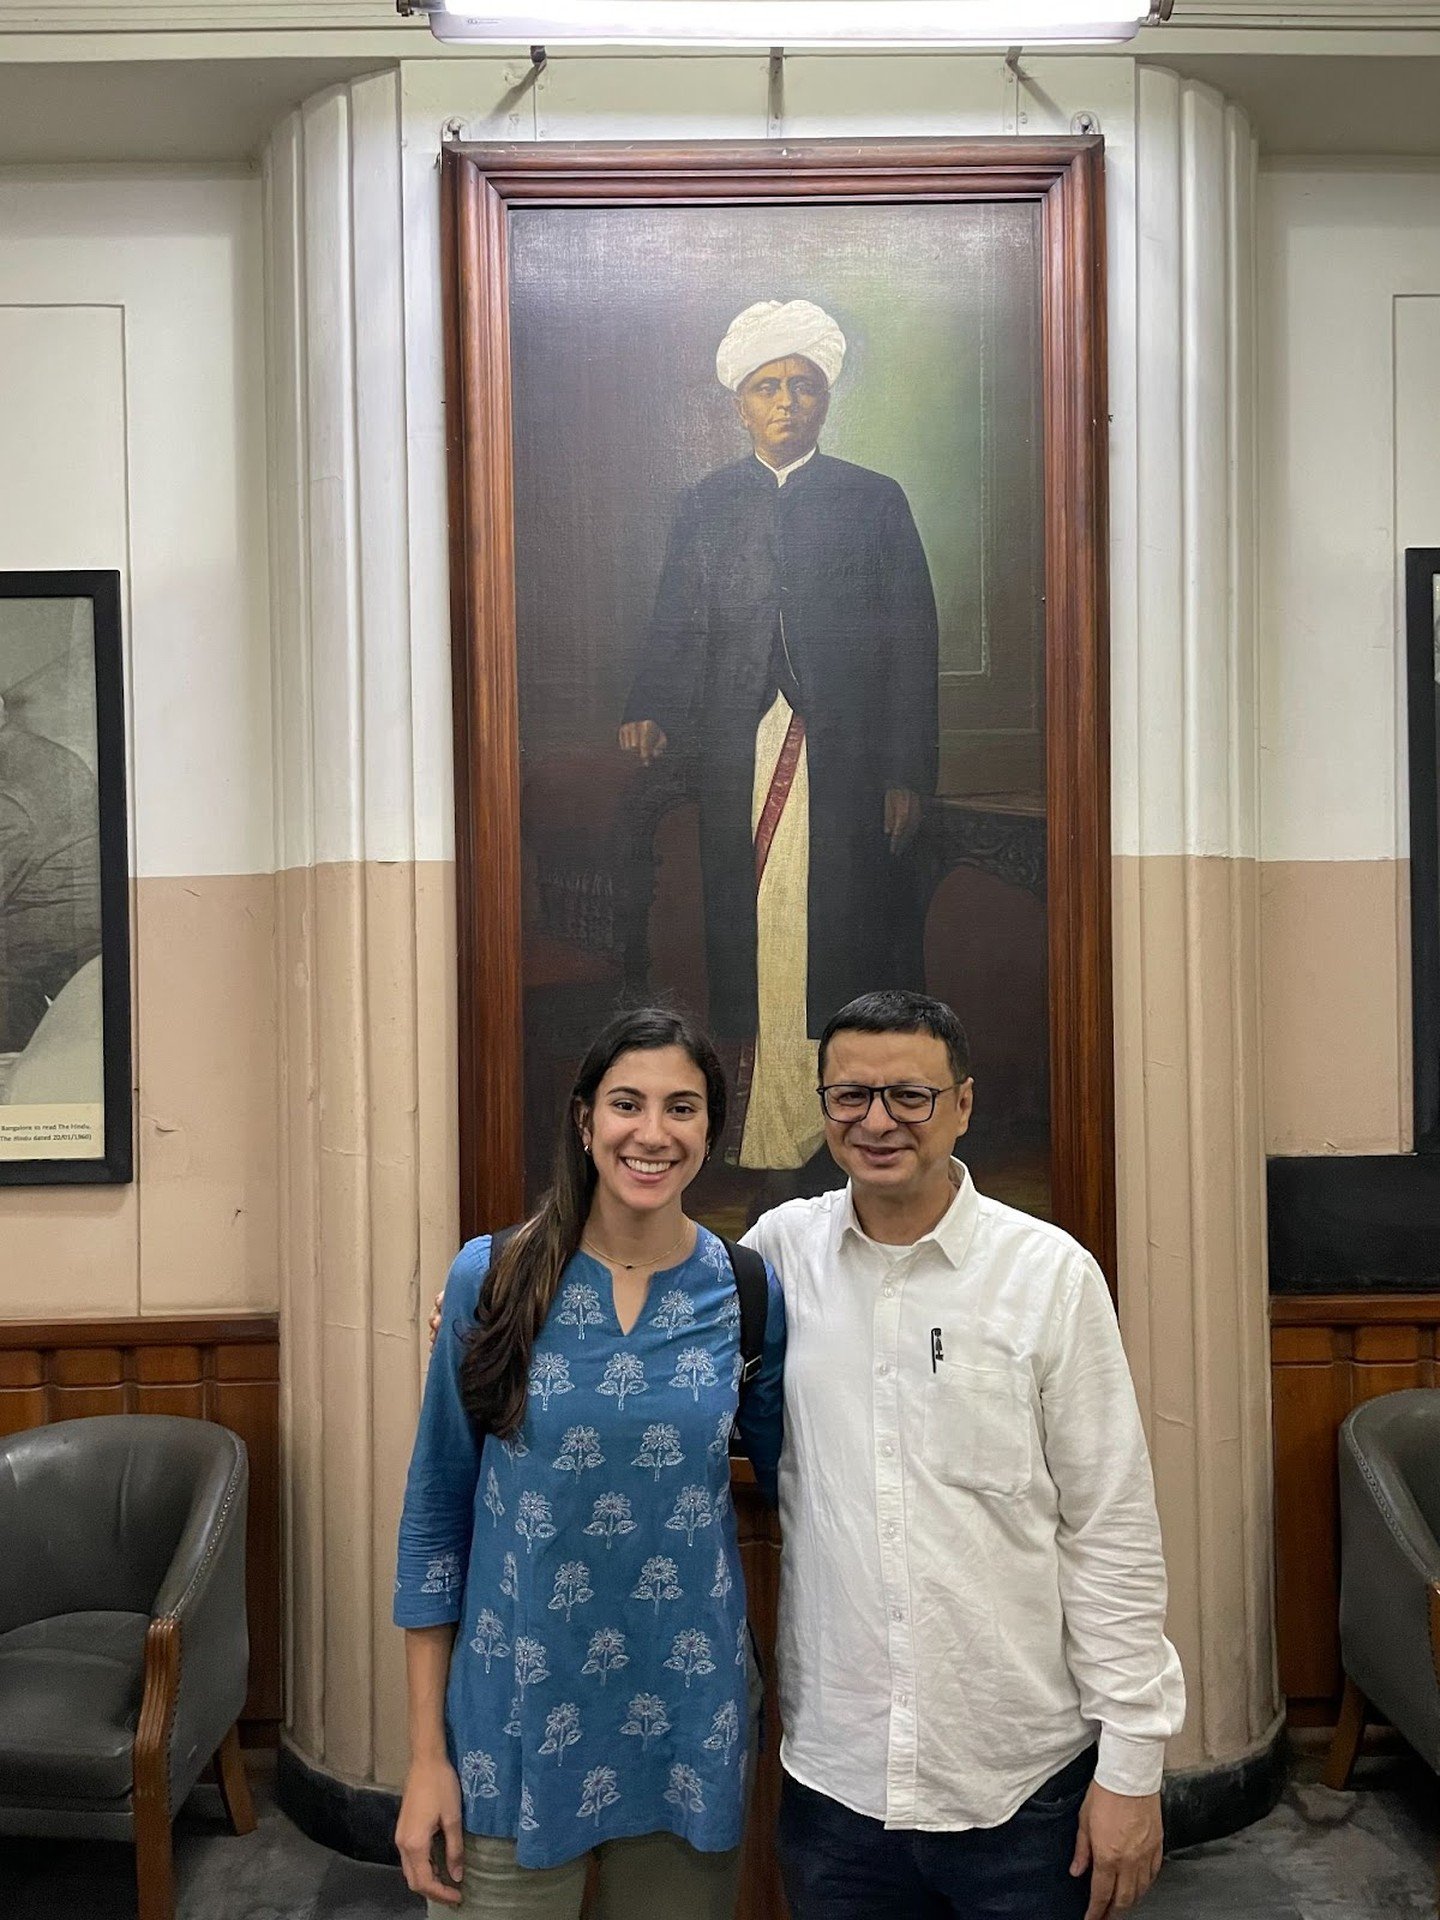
(847, 1100)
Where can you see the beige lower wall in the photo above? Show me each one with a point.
(1335, 956)
(196, 1229)
(1192, 1272)
(368, 1195)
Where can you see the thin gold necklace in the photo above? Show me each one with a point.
(629, 1266)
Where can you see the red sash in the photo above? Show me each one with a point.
(781, 781)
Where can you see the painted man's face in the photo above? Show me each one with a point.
(783, 405)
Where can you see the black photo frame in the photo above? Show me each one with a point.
(64, 940)
(1422, 661)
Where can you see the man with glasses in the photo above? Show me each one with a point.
(975, 1685)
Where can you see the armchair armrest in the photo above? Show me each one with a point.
(204, 1594)
(197, 1650)
(1390, 1597)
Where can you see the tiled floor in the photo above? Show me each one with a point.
(1366, 1855)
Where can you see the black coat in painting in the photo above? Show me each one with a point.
(818, 589)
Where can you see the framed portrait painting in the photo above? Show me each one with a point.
(64, 890)
(778, 597)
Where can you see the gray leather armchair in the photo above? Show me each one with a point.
(1390, 1574)
(123, 1644)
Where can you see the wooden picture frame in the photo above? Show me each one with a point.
(64, 950)
(1422, 656)
(482, 188)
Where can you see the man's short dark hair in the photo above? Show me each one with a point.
(894, 1010)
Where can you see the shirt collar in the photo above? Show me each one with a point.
(782, 474)
(951, 1235)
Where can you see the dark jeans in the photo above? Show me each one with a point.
(839, 1865)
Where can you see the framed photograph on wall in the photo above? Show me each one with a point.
(778, 535)
(65, 1086)
(1422, 650)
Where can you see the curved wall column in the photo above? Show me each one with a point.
(365, 918)
(1193, 1290)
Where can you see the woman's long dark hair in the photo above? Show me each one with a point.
(520, 1286)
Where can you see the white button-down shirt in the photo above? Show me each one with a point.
(971, 1586)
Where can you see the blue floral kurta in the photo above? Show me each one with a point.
(598, 1683)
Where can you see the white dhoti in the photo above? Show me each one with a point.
(783, 1125)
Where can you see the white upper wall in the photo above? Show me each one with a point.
(179, 260)
(1349, 476)
(132, 436)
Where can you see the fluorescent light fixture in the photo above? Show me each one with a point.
(792, 24)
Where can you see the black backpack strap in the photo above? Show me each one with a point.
(752, 1284)
(498, 1243)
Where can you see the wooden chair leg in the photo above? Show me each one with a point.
(154, 1870)
(234, 1785)
(1340, 1763)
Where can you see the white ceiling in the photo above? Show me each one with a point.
(1339, 102)
(162, 110)
(1328, 104)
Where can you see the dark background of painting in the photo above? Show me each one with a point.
(615, 317)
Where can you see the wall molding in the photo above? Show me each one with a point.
(143, 1330)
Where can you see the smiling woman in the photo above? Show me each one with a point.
(570, 1480)
(648, 1101)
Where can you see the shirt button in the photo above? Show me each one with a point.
(882, 1369)
(889, 1292)
(890, 1529)
(902, 1699)
(887, 1450)
(897, 1613)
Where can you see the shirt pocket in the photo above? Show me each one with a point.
(978, 1428)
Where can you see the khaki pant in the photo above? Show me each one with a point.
(653, 1874)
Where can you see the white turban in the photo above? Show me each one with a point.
(774, 329)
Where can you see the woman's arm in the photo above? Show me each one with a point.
(435, 1529)
(762, 1411)
(431, 1802)
(438, 1516)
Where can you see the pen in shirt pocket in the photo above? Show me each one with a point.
(937, 1348)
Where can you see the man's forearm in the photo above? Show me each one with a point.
(427, 1668)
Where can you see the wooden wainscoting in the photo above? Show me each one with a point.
(1329, 1352)
(204, 1367)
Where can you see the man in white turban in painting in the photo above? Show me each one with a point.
(793, 654)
